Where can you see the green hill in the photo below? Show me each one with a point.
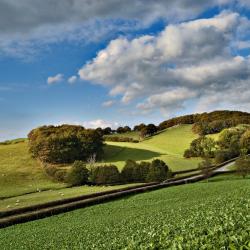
(169, 145)
(20, 174)
(206, 215)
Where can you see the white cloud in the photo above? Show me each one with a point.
(184, 62)
(108, 103)
(72, 79)
(100, 123)
(55, 79)
(27, 25)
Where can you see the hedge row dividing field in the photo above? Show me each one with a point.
(205, 215)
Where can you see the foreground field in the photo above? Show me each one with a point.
(169, 145)
(213, 215)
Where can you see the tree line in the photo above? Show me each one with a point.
(231, 143)
(132, 172)
(65, 143)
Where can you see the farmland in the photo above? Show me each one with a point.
(205, 215)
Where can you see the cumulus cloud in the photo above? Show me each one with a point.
(72, 79)
(55, 79)
(100, 123)
(27, 22)
(183, 62)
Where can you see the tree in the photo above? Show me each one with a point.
(243, 166)
(205, 167)
(128, 173)
(78, 175)
(139, 127)
(107, 131)
(158, 171)
(245, 141)
(149, 130)
(65, 143)
(105, 175)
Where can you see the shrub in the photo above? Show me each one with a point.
(243, 166)
(128, 173)
(245, 141)
(64, 144)
(120, 139)
(224, 155)
(78, 175)
(61, 175)
(105, 175)
(55, 172)
(188, 153)
(157, 171)
(201, 146)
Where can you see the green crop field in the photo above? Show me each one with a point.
(169, 145)
(205, 215)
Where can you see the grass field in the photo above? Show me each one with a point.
(19, 173)
(206, 215)
(169, 145)
(54, 194)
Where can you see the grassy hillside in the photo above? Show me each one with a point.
(54, 194)
(19, 173)
(213, 215)
(169, 145)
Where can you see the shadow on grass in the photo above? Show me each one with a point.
(113, 153)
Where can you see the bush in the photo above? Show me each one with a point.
(56, 173)
(245, 141)
(158, 171)
(188, 153)
(105, 175)
(60, 175)
(128, 173)
(202, 146)
(64, 144)
(224, 155)
(120, 139)
(78, 175)
(243, 166)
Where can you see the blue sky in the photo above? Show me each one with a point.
(131, 62)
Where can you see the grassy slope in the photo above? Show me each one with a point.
(168, 145)
(204, 215)
(51, 195)
(19, 173)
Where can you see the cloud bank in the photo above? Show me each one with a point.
(191, 60)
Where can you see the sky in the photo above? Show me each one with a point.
(110, 63)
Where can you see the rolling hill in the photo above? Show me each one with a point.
(168, 145)
(20, 174)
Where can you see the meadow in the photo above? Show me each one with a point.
(168, 145)
(205, 215)
(20, 174)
